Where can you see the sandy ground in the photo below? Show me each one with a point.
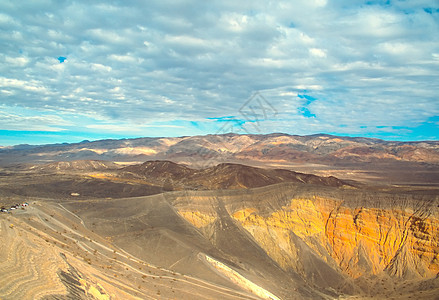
(46, 250)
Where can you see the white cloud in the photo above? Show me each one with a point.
(100, 67)
(17, 61)
(318, 52)
(12, 119)
(127, 62)
(129, 128)
(29, 86)
(124, 58)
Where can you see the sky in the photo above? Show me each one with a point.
(88, 70)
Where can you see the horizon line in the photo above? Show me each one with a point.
(207, 134)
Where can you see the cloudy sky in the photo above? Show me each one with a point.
(75, 70)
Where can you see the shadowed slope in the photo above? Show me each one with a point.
(222, 176)
(99, 179)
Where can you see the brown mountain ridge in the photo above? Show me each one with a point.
(91, 178)
(221, 176)
(357, 158)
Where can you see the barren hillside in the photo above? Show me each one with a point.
(282, 241)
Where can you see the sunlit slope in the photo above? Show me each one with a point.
(340, 240)
(402, 241)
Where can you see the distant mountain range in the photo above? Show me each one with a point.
(276, 146)
(321, 154)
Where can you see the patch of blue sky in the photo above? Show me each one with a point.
(430, 10)
(379, 2)
(228, 124)
(230, 119)
(195, 124)
(306, 113)
(309, 99)
(170, 128)
(426, 131)
(61, 59)
(222, 119)
(15, 137)
(304, 110)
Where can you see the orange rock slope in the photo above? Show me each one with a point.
(361, 241)
(354, 233)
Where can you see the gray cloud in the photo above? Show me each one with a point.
(141, 63)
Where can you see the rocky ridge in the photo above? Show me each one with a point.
(221, 176)
(276, 146)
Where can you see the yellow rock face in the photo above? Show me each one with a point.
(361, 241)
(197, 218)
